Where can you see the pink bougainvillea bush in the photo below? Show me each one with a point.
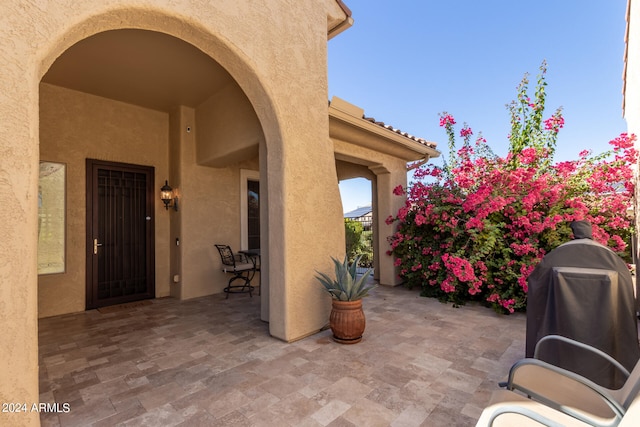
(475, 228)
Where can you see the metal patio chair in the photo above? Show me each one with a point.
(240, 266)
(568, 398)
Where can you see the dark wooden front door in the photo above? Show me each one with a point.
(120, 230)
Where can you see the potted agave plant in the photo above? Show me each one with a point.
(347, 321)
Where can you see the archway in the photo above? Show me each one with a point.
(358, 216)
(145, 97)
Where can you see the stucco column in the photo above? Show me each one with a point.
(378, 239)
(181, 136)
(388, 204)
(18, 247)
(305, 229)
(264, 234)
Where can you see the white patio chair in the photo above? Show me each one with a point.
(534, 384)
(522, 412)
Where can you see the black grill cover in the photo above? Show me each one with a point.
(584, 291)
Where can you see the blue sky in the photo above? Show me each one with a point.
(405, 61)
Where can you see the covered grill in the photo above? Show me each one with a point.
(584, 291)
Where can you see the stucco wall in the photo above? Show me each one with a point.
(632, 76)
(632, 83)
(347, 170)
(228, 129)
(210, 214)
(75, 126)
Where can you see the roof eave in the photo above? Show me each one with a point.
(364, 133)
(344, 24)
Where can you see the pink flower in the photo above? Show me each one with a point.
(620, 244)
(554, 123)
(461, 268)
(447, 285)
(446, 119)
(398, 190)
(528, 156)
(508, 304)
(402, 213)
(420, 219)
(466, 131)
(623, 141)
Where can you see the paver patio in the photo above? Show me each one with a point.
(211, 362)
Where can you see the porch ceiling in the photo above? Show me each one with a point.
(145, 68)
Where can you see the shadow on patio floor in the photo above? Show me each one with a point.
(211, 361)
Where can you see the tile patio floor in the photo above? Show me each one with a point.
(211, 362)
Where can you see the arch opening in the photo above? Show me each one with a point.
(145, 97)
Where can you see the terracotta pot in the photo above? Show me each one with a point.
(347, 321)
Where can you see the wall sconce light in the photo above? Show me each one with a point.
(167, 196)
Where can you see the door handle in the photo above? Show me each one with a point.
(95, 246)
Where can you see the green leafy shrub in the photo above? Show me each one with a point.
(353, 237)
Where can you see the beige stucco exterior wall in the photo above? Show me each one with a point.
(283, 74)
(208, 217)
(632, 84)
(75, 126)
(181, 121)
(632, 75)
(348, 170)
(209, 214)
(228, 129)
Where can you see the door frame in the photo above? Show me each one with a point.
(92, 261)
(245, 176)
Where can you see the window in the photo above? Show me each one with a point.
(250, 209)
(51, 218)
(253, 214)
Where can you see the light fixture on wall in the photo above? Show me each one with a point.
(167, 195)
